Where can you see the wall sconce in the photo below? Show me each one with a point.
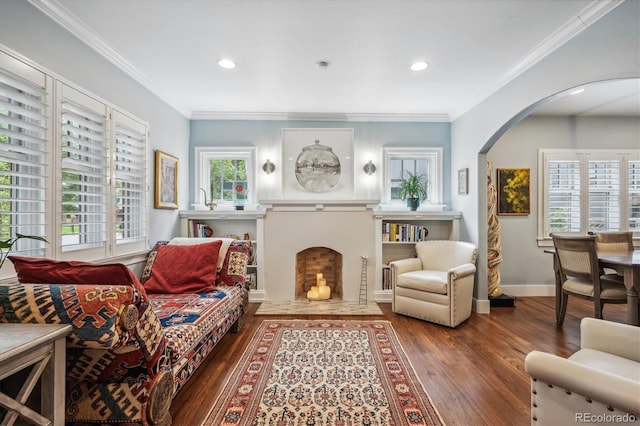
(369, 168)
(268, 167)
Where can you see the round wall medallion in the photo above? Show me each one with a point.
(317, 168)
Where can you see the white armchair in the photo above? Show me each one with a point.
(599, 384)
(437, 285)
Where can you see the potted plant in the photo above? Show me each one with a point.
(8, 245)
(414, 189)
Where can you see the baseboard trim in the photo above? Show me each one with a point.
(382, 296)
(257, 296)
(532, 290)
(481, 306)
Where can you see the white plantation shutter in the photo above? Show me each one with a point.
(84, 172)
(634, 196)
(24, 155)
(563, 196)
(604, 195)
(131, 186)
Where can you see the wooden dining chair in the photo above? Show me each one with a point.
(581, 275)
(614, 242)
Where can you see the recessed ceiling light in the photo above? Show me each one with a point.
(227, 64)
(575, 92)
(419, 66)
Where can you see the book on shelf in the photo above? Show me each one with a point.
(386, 277)
(252, 280)
(403, 232)
(197, 229)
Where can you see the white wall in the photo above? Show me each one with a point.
(524, 263)
(608, 49)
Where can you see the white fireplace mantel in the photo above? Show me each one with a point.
(325, 205)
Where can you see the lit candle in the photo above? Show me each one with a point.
(324, 292)
(318, 278)
(313, 295)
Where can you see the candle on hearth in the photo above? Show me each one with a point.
(324, 292)
(318, 278)
(313, 294)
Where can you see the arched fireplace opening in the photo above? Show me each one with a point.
(318, 260)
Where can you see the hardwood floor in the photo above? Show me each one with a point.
(474, 373)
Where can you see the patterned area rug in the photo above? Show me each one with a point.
(323, 373)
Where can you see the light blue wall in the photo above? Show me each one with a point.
(29, 33)
(369, 137)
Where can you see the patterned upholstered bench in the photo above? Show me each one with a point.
(132, 348)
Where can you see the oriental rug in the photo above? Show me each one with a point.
(323, 373)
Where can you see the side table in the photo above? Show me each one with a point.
(41, 346)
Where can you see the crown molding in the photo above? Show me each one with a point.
(590, 14)
(319, 116)
(67, 20)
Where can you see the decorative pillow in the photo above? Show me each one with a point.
(172, 269)
(38, 270)
(234, 267)
(226, 242)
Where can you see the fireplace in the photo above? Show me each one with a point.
(318, 260)
(290, 230)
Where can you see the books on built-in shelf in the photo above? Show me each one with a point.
(403, 232)
(196, 229)
(252, 280)
(386, 277)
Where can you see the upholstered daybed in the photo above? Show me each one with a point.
(136, 340)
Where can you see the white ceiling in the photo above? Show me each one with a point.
(473, 46)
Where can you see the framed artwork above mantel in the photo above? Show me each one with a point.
(317, 163)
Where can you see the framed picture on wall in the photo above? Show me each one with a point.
(166, 191)
(514, 192)
(463, 181)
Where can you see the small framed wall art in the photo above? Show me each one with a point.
(463, 181)
(166, 181)
(513, 192)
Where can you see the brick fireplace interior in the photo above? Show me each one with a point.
(315, 260)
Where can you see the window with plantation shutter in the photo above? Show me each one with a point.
(73, 170)
(634, 196)
(563, 196)
(131, 186)
(24, 154)
(604, 195)
(589, 191)
(83, 172)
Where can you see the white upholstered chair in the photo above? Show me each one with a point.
(601, 381)
(437, 285)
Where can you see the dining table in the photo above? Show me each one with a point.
(625, 263)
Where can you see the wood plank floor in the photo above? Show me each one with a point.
(473, 373)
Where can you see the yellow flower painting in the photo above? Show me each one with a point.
(513, 192)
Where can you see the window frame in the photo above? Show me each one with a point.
(583, 156)
(204, 154)
(434, 157)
